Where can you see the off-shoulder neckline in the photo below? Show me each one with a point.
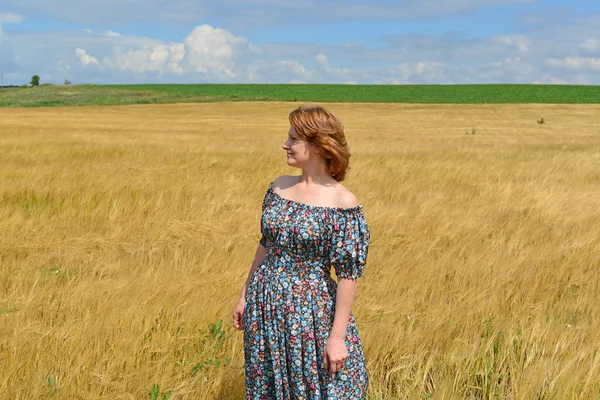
(346, 209)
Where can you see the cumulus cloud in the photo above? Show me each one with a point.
(161, 58)
(296, 68)
(207, 54)
(337, 73)
(212, 52)
(85, 58)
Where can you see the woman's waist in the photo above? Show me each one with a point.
(284, 263)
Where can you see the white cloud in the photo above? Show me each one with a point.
(576, 63)
(416, 72)
(511, 69)
(519, 42)
(111, 33)
(210, 54)
(296, 68)
(85, 58)
(260, 68)
(206, 54)
(212, 51)
(10, 18)
(514, 65)
(330, 70)
(549, 80)
(160, 58)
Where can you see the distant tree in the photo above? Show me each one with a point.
(35, 80)
(67, 82)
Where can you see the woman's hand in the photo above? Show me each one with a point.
(238, 314)
(336, 354)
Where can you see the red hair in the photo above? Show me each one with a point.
(318, 126)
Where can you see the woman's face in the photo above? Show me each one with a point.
(298, 151)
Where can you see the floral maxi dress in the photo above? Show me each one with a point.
(290, 302)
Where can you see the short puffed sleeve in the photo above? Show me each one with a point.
(350, 243)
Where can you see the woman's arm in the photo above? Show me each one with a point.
(346, 290)
(336, 353)
(259, 257)
(238, 312)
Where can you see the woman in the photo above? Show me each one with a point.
(300, 336)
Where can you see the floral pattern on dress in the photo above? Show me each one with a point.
(290, 302)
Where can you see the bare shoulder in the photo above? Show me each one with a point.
(346, 198)
(283, 181)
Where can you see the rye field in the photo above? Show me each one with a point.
(128, 232)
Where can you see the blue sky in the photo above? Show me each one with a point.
(313, 41)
